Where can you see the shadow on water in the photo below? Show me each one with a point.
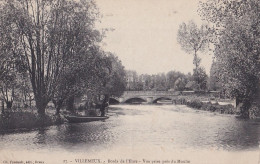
(246, 135)
(41, 136)
(21, 130)
(83, 136)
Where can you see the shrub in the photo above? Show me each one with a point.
(179, 101)
(254, 111)
(225, 109)
(206, 106)
(25, 119)
(195, 104)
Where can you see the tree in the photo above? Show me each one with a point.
(156, 82)
(12, 69)
(8, 86)
(192, 40)
(47, 34)
(201, 77)
(236, 27)
(214, 83)
(132, 79)
(176, 80)
(159, 82)
(115, 83)
(172, 76)
(82, 75)
(180, 83)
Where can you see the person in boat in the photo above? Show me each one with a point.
(103, 107)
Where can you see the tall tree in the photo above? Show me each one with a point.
(192, 40)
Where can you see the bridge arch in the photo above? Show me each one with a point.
(113, 101)
(133, 100)
(161, 98)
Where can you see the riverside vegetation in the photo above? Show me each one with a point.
(27, 120)
(18, 118)
(207, 106)
(50, 52)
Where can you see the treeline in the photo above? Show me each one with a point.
(49, 51)
(234, 33)
(173, 80)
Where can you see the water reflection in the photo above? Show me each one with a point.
(41, 136)
(168, 126)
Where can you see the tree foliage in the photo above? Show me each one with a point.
(236, 27)
(192, 40)
(57, 45)
(214, 82)
(12, 68)
(201, 78)
(116, 82)
(158, 82)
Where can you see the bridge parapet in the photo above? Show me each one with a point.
(150, 93)
(148, 96)
(152, 96)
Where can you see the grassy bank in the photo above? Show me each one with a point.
(27, 120)
(198, 104)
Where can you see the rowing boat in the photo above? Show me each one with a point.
(77, 119)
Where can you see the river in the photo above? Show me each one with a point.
(139, 131)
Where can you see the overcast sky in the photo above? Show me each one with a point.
(145, 33)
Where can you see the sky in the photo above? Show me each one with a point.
(145, 34)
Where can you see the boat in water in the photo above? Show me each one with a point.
(78, 119)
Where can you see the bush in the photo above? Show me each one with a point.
(28, 120)
(195, 104)
(254, 112)
(224, 109)
(179, 101)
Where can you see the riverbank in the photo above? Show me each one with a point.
(29, 119)
(11, 120)
(198, 104)
(222, 106)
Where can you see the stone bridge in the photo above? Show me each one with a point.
(145, 96)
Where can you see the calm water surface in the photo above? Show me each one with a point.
(132, 126)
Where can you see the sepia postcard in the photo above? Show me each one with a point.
(129, 82)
